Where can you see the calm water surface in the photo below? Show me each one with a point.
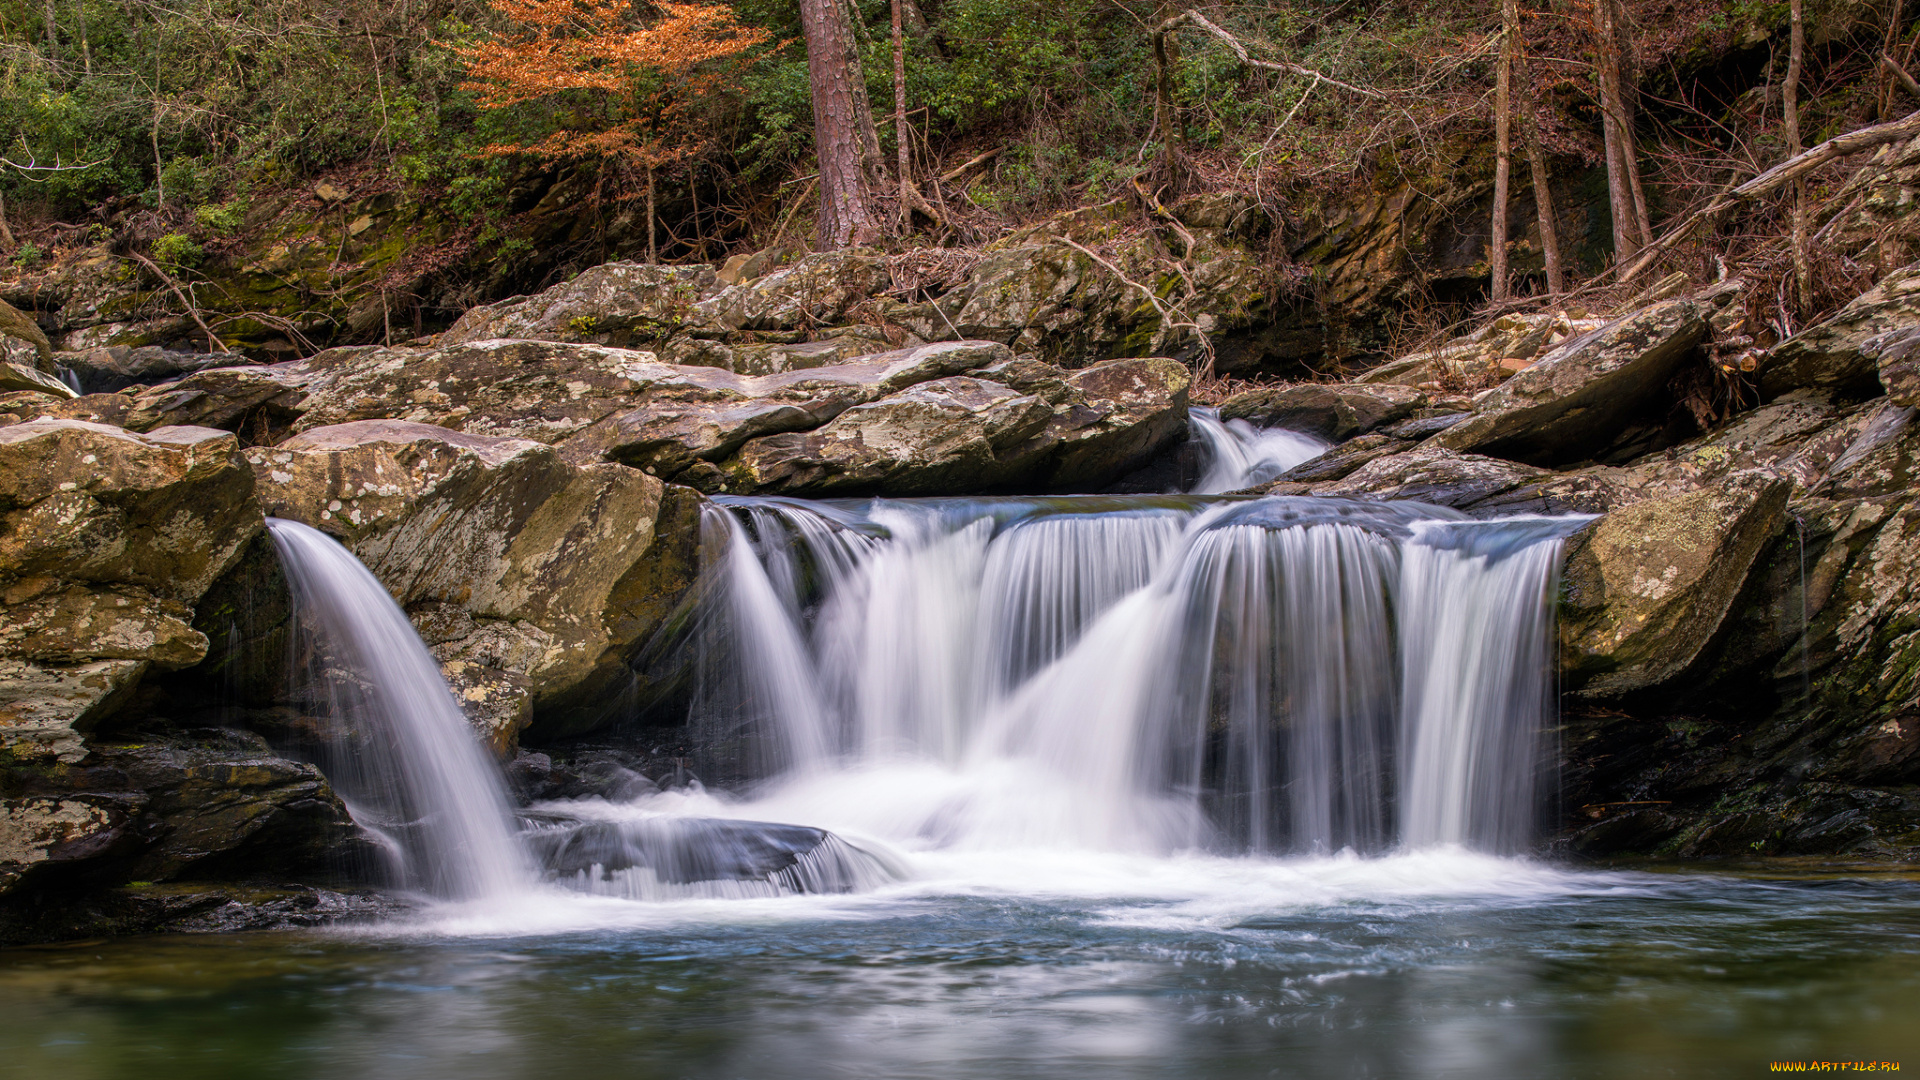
(1434, 965)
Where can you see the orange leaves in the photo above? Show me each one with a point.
(647, 72)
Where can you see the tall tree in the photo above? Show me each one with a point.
(903, 149)
(1625, 196)
(843, 135)
(1790, 107)
(1503, 146)
(644, 80)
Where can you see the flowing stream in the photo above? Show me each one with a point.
(1089, 786)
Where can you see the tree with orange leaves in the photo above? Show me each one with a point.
(644, 75)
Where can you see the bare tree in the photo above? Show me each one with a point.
(902, 152)
(1790, 106)
(1624, 194)
(1503, 147)
(843, 136)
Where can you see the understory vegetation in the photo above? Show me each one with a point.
(163, 126)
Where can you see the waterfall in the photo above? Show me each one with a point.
(1142, 672)
(1240, 455)
(400, 752)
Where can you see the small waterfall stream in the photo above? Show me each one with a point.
(1146, 672)
(403, 756)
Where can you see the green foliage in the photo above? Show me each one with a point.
(28, 254)
(177, 249)
(221, 219)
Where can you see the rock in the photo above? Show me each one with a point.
(1489, 355)
(1647, 586)
(686, 419)
(1334, 413)
(1341, 461)
(1576, 400)
(256, 400)
(108, 409)
(206, 805)
(46, 710)
(1836, 354)
(559, 570)
(1049, 430)
(618, 303)
(17, 377)
(116, 367)
(544, 391)
(107, 539)
(839, 346)
(167, 511)
(1433, 475)
(1897, 355)
(816, 290)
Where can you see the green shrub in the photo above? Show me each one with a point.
(177, 249)
(27, 254)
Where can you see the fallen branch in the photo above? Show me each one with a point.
(1900, 74)
(956, 173)
(214, 344)
(1239, 49)
(1774, 179)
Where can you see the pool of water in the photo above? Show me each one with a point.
(1042, 964)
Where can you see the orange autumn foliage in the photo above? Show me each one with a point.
(649, 75)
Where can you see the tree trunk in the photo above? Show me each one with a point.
(902, 150)
(1543, 205)
(1889, 83)
(7, 242)
(840, 112)
(1790, 106)
(53, 35)
(653, 248)
(1617, 131)
(1503, 147)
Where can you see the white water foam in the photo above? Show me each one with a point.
(1240, 455)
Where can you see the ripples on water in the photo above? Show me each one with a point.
(1038, 963)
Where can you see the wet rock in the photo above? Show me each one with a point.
(1434, 475)
(1577, 399)
(1838, 354)
(1648, 585)
(18, 377)
(116, 367)
(1334, 413)
(618, 303)
(1343, 460)
(559, 570)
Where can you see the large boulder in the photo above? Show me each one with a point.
(682, 420)
(1332, 412)
(1648, 585)
(107, 539)
(532, 578)
(1433, 475)
(817, 290)
(1022, 425)
(1839, 354)
(617, 303)
(1576, 400)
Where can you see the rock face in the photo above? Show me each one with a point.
(617, 303)
(1334, 413)
(108, 539)
(1838, 354)
(531, 578)
(1577, 399)
(1050, 430)
(1648, 585)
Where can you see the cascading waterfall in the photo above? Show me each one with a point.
(410, 768)
(1143, 673)
(401, 752)
(1240, 455)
